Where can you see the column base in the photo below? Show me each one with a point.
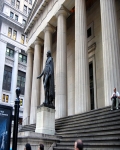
(45, 121)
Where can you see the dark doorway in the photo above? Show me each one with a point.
(91, 85)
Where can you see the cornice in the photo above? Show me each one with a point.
(17, 10)
(33, 16)
(11, 20)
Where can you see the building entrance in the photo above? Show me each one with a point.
(91, 85)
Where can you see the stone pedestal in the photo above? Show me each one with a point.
(45, 121)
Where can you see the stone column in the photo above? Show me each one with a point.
(49, 29)
(61, 65)
(14, 75)
(28, 87)
(111, 49)
(82, 92)
(35, 97)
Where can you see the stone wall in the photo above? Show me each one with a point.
(93, 15)
(35, 139)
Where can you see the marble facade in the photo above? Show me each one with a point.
(62, 26)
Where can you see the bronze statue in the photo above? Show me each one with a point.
(48, 80)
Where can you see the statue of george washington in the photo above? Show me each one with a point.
(48, 80)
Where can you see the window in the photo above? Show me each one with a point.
(24, 22)
(13, 2)
(30, 2)
(5, 98)
(25, 9)
(14, 35)
(17, 4)
(22, 39)
(9, 52)
(29, 10)
(9, 32)
(22, 58)
(21, 81)
(11, 14)
(7, 78)
(21, 102)
(16, 17)
(89, 32)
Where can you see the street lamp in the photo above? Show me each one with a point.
(16, 117)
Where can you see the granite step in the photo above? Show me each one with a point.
(99, 130)
(108, 114)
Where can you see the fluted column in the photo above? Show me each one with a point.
(28, 87)
(35, 97)
(82, 92)
(111, 49)
(14, 75)
(49, 29)
(61, 65)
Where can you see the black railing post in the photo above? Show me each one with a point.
(16, 117)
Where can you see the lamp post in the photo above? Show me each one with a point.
(16, 117)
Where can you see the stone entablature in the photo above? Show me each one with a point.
(91, 50)
(9, 61)
(36, 26)
(22, 67)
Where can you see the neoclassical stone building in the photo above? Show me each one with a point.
(83, 36)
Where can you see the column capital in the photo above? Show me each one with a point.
(38, 41)
(63, 11)
(49, 28)
(18, 50)
(30, 50)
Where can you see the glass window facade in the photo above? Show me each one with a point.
(21, 81)
(9, 32)
(21, 102)
(5, 98)
(22, 39)
(24, 22)
(14, 35)
(11, 14)
(7, 78)
(30, 2)
(9, 52)
(16, 17)
(17, 4)
(22, 58)
(25, 9)
(29, 10)
(13, 2)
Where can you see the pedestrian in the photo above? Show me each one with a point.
(27, 146)
(41, 147)
(78, 145)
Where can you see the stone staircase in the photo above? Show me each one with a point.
(30, 128)
(99, 129)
